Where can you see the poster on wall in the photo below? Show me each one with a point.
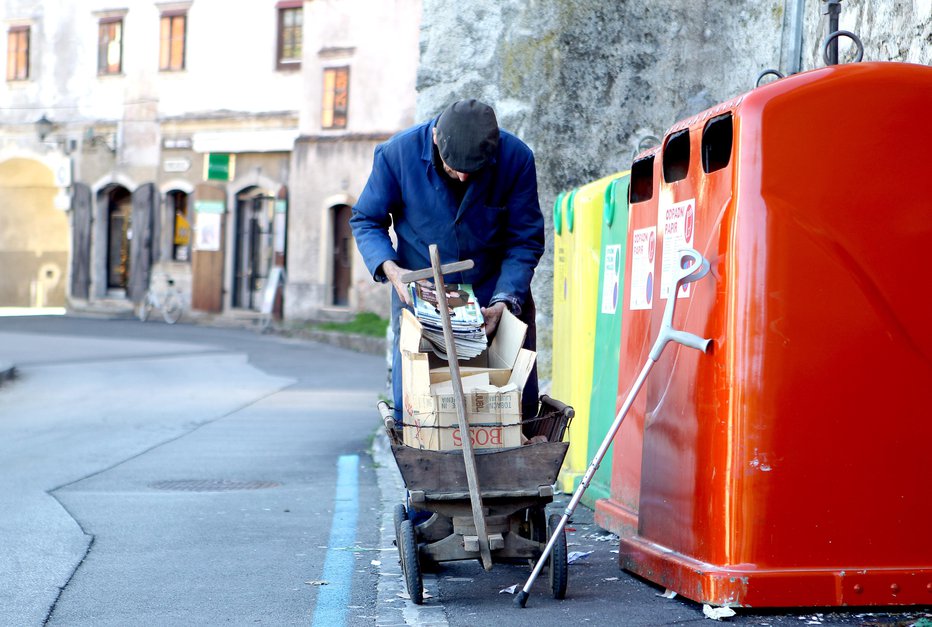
(207, 232)
(678, 222)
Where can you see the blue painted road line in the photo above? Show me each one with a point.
(339, 563)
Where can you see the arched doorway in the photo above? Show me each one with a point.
(118, 204)
(253, 246)
(34, 236)
(342, 247)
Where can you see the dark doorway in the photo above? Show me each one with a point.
(253, 246)
(342, 254)
(119, 210)
(177, 205)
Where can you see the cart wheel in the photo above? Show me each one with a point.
(400, 515)
(557, 565)
(537, 524)
(410, 565)
(537, 528)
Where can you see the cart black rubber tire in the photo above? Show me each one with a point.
(409, 562)
(537, 529)
(557, 565)
(537, 525)
(400, 514)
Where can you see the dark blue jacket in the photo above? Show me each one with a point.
(498, 225)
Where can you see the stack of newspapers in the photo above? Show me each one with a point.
(465, 317)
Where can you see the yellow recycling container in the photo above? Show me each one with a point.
(582, 230)
(562, 254)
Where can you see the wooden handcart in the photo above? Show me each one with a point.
(516, 486)
(487, 504)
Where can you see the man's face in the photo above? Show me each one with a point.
(453, 174)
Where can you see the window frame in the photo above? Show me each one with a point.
(167, 59)
(103, 61)
(332, 116)
(281, 61)
(16, 35)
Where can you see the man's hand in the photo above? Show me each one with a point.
(492, 315)
(393, 273)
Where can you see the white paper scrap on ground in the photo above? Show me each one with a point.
(667, 594)
(317, 582)
(376, 563)
(717, 613)
(575, 556)
(509, 589)
(424, 594)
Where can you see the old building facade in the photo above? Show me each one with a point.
(143, 141)
(360, 63)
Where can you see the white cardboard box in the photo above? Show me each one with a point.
(492, 386)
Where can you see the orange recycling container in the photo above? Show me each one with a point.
(618, 512)
(788, 466)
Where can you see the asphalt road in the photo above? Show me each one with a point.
(189, 475)
(179, 475)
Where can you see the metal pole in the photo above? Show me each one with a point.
(832, 8)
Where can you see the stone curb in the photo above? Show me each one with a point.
(358, 343)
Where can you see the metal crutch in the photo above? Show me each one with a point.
(693, 267)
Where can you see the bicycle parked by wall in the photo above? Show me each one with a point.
(169, 300)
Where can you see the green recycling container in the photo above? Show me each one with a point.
(608, 323)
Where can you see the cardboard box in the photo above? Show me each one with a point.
(492, 387)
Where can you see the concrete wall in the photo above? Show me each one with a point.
(34, 240)
(583, 81)
(379, 43)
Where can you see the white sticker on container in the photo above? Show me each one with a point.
(679, 225)
(611, 269)
(643, 249)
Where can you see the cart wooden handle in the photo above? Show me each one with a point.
(472, 476)
(428, 273)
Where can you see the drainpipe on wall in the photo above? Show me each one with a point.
(793, 35)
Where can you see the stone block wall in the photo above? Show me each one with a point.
(584, 81)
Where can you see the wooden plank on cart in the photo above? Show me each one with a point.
(475, 496)
(516, 469)
(428, 273)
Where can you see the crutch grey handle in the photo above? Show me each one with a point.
(692, 267)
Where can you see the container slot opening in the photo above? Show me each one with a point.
(642, 180)
(676, 156)
(717, 139)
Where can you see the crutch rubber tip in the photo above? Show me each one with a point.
(521, 599)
